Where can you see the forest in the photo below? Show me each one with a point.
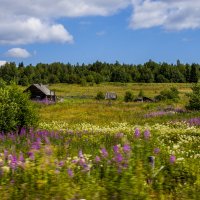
(98, 72)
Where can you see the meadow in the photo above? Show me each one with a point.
(90, 149)
(80, 106)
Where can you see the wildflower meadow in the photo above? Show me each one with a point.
(91, 163)
(128, 151)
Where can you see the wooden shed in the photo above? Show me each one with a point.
(111, 96)
(40, 92)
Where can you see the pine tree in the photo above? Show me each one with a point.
(193, 74)
(187, 73)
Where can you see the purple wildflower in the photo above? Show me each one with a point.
(146, 134)
(61, 163)
(137, 133)
(116, 148)
(81, 161)
(23, 131)
(159, 113)
(70, 173)
(75, 161)
(194, 121)
(13, 161)
(125, 165)
(31, 155)
(97, 159)
(104, 153)
(80, 154)
(172, 159)
(126, 148)
(21, 157)
(86, 168)
(36, 145)
(118, 158)
(156, 151)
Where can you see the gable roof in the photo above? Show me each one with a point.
(44, 89)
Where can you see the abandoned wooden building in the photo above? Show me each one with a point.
(111, 96)
(40, 92)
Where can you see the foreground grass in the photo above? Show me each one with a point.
(119, 162)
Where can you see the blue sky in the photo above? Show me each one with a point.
(83, 31)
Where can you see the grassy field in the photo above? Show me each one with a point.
(80, 105)
(150, 89)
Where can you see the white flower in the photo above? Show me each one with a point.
(179, 159)
(5, 169)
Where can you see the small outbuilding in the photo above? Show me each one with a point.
(40, 92)
(110, 96)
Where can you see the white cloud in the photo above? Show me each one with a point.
(169, 14)
(17, 53)
(28, 21)
(30, 30)
(62, 8)
(148, 14)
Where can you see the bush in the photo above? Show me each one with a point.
(141, 93)
(100, 96)
(16, 110)
(171, 94)
(128, 97)
(194, 98)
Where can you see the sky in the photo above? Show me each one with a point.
(84, 31)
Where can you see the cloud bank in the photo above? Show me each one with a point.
(28, 21)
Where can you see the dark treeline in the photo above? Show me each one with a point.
(149, 72)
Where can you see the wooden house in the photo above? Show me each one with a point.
(40, 92)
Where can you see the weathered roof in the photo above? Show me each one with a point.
(44, 89)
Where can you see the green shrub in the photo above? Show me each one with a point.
(83, 82)
(141, 93)
(100, 96)
(194, 98)
(16, 110)
(171, 94)
(128, 97)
